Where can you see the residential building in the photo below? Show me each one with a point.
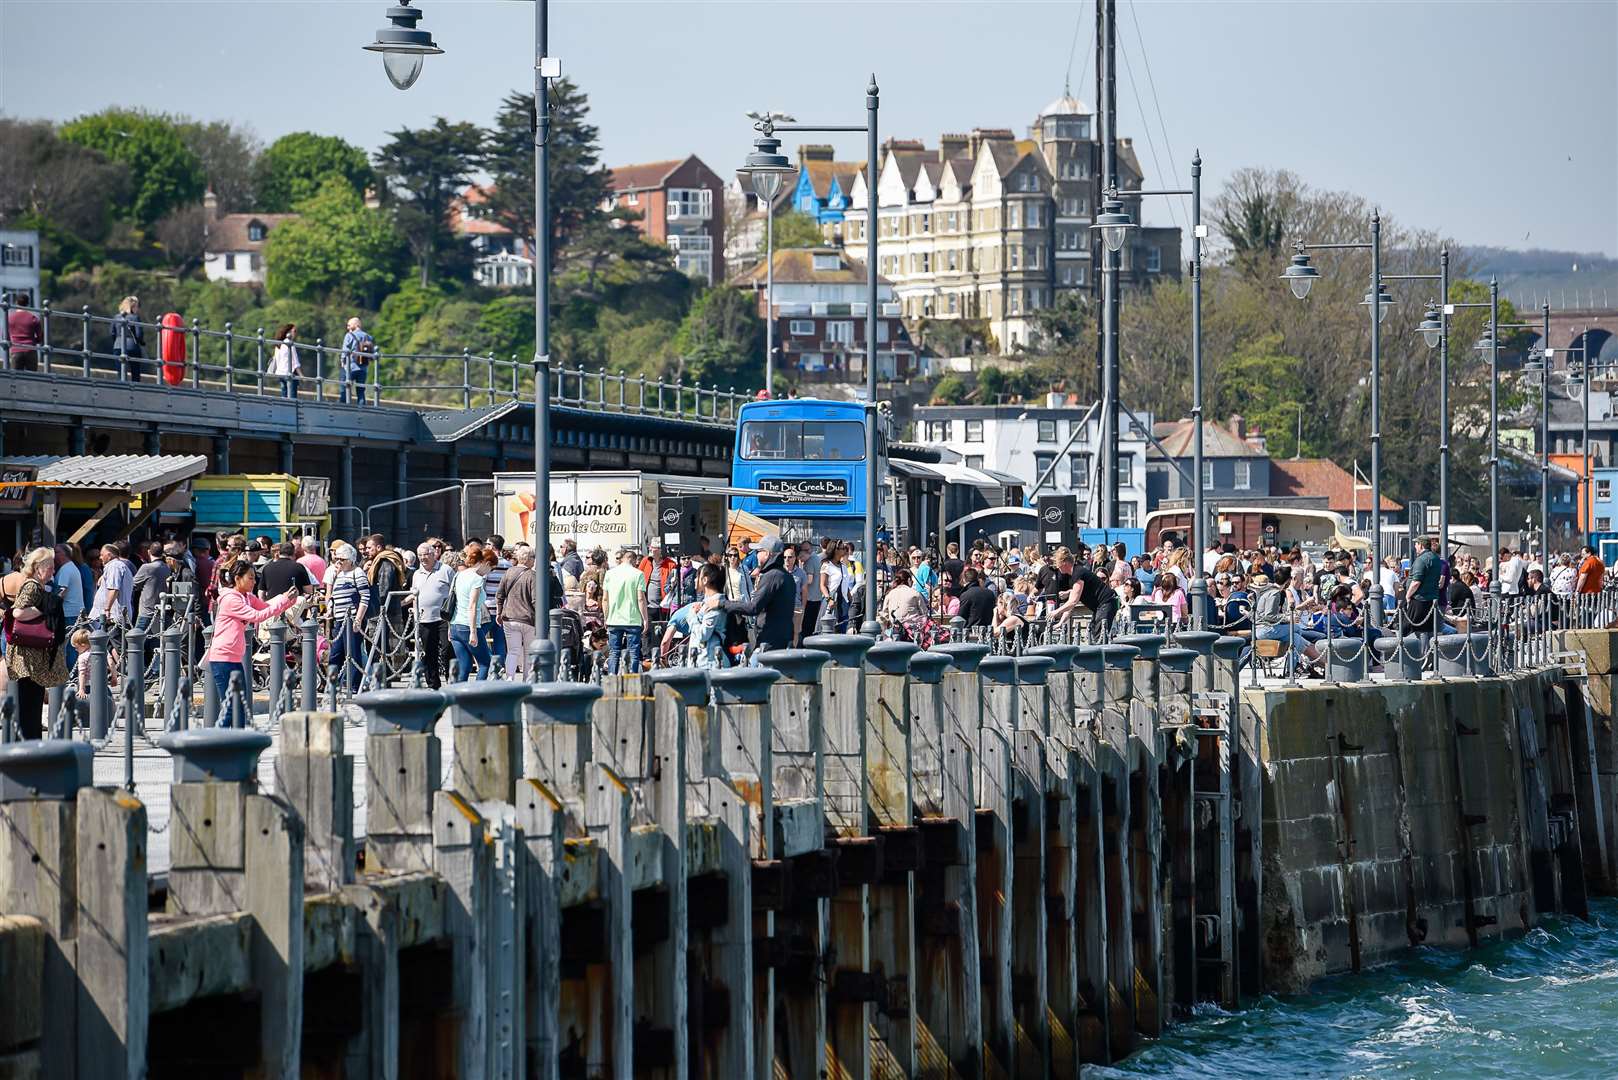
(991, 227)
(680, 203)
(503, 261)
(1605, 509)
(233, 247)
(1321, 478)
(819, 311)
(1235, 464)
(1026, 440)
(19, 264)
(744, 225)
(823, 187)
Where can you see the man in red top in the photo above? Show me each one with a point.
(1591, 572)
(23, 332)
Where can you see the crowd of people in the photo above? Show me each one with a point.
(441, 612)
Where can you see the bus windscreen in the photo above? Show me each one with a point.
(803, 440)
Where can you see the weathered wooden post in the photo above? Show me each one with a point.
(967, 712)
(317, 779)
(74, 858)
(488, 739)
(1030, 916)
(1146, 833)
(949, 984)
(1000, 905)
(1117, 811)
(1090, 853)
(234, 850)
(801, 927)
(402, 774)
(1244, 787)
(890, 801)
(1176, 679)
(854, 988)
(1061, 865)
(546, 824)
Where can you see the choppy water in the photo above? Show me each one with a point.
(1544, 1005)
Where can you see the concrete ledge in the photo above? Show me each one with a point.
(198, 958)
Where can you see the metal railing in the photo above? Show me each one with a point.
(80, 344)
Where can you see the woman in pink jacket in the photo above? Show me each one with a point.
(236, 608)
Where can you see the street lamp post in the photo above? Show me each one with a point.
(1113, 223)
(768, 169)
(404, 48)
(1585, 506)
(1300, 276)
(1434, 330)
(766, 126)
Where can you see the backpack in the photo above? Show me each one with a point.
(364, 350)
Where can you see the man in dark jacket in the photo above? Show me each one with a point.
(772, 601)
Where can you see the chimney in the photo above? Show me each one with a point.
(814, 152)
(210, 205)
(980, 136)
(950, 146)
(1238, 426)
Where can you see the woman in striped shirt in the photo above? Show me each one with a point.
(348, 598)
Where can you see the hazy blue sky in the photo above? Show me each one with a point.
(1494, 122)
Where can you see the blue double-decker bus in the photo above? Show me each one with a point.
(806, 460)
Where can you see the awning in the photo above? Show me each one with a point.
(912, 469)
(131, 474)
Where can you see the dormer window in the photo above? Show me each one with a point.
(827, 262)
(255, 232)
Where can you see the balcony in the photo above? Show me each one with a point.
(691, 207)
(691, 243)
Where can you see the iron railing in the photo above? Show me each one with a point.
(79, 344)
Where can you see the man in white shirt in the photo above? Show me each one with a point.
(1511, 572)
(429, 593)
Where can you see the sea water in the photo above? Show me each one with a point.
(1544, 1004)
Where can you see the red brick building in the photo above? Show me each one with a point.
(682, 204)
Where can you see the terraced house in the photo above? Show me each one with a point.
(991, 227)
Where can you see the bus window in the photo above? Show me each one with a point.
(772, 439)
(834, 440)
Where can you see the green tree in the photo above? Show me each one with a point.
(163, 172)
(796, 229)
(296, 166)
(397, 318)
(229, 156)
(64, 190)
(950, 390)
(425, 171)
(339, 249)
(579, 182)
(722, 339)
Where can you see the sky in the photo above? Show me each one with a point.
(1490, 122)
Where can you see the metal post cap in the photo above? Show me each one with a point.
(742, 686)
(999, 669)
(891, 657)
(928, 667)
(401, 711)
(1150, 645)
(796, 665)
(846, 650)
(1198, 641)
(1032, 670)
(1061, 655)
(1229, 647)
(563, 702)
(1119, 656)
(1176, 660)
(473, 704)
(1088, 658)
(44, 769)
(965, 655)
(219, 755)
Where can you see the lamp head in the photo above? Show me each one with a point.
(1299, 275)
(1432, 326)
(403, 47)
(1382, 299)
(1113, 222)
(767, 168)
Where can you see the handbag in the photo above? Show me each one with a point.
(29, 633)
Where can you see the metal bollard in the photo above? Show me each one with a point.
(172, 645)
(311, 661)
(237, 711)
(100, 693)
(278, 664)
(134, 699)
(210, 691)
(54, 698)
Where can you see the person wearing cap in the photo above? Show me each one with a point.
(772, 603)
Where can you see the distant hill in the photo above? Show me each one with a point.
(1569, 278)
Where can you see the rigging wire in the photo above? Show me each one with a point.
(1157, 105)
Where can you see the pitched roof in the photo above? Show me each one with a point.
(228, 232)
(1217, 440)
(466, 222)
(1320, 477)
(796, 266)
(129, 473)
(646, 177)
(822, 173)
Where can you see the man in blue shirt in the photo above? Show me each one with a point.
(69, 585)
(359, 349)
